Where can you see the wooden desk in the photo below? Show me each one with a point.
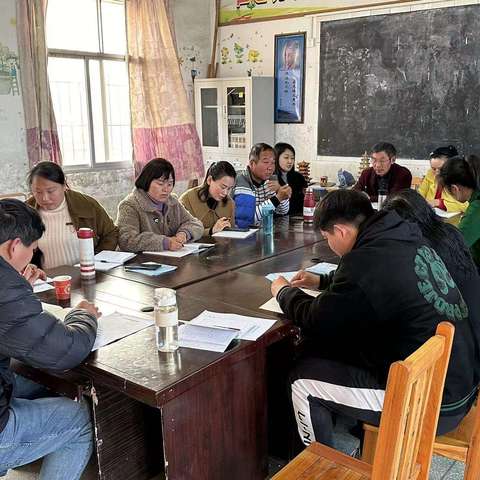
(209, 416)
(228, 254)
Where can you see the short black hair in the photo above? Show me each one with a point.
(386, 147)
(444, 152)
(48, 170)
(18, 220)
(257, 149)
(342, 206)
(156, 168)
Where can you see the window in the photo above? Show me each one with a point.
(88, 77)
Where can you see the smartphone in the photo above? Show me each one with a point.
(141, 266)
(235, 229)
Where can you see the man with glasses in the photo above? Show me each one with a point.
(384, 175)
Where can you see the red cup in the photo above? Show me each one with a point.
(62, 284)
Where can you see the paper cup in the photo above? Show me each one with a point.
(62, 286)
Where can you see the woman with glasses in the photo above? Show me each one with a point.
(150, 218)
(384, 175)
(432, 191)
(211, 202)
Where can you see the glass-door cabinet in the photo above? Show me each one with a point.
(227, 112)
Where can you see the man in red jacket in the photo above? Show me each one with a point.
(384, 174)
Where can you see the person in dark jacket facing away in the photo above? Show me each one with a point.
(32, 426)
(386, 298)
(287, 175)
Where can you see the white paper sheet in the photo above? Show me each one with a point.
(56, 310)
(238, 235)
(250, 328)
(287, 275)
(205, 338)
(112, 256)
(42, 285)
(273, 306)
(322, 268)
(444, 214)
(116, 326)
(187, 249)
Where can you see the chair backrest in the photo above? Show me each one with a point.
(411, 409)
(18, 195)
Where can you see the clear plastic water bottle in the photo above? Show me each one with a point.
(166, 319)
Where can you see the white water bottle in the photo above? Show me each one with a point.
(166, 319)
(87, 253)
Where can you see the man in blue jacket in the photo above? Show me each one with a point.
(386, 298)
(253, 190)
(32, 425)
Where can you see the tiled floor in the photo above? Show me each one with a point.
(442, 468)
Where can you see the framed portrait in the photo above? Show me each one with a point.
(289, 77)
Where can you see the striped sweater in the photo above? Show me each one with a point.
(250, 197)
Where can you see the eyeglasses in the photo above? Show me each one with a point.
(380, 163)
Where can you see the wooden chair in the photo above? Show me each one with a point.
(18, 195)
(407, 426)
(463, 444)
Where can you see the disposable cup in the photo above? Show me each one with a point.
(62, 284)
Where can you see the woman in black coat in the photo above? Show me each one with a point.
(286, 173)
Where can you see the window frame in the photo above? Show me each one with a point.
(95, 165)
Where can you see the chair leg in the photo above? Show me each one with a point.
(369, 445)
(472, 465)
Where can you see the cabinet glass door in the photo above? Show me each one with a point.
(236, 118)
(209, 99)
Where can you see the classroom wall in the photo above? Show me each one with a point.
(193, 34)
(257, 41)
(194, 25)
(13, 153)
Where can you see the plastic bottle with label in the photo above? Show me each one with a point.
(308, 206)
(166, 319)
(87, 253)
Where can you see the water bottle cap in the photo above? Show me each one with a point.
(85, 233)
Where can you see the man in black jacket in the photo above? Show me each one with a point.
(386, 298)
(31, 427)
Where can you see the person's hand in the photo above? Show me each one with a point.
(434, 203)
(273, 185)
(305, 279)
(174, 244)
(284, 192)
(181, 237)
(90, 308)
(220, 224)
(278, 284)
(32, 273)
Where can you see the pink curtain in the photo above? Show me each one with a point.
(162, 123)
(41, 129)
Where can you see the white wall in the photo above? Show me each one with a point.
(194, 36)
(13, 154)
(259, 36)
